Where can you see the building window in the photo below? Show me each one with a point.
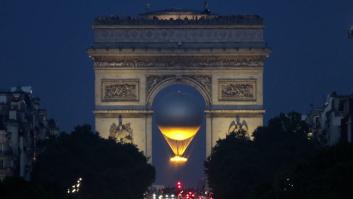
(341, 106)
(12, 115)
(3, 99)
(2, 147)
(2, 164)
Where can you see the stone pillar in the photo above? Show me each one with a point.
(208, 134)
(148, 149)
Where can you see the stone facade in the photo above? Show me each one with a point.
(120, 90)
(222, 57)
(333, 122)
(22, 124)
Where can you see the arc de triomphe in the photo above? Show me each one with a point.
(134, 58)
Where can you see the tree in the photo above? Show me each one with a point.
(241, 168)
(18, 188)
(107, 169)
(326, 174)
(230, 169)
(282, 143)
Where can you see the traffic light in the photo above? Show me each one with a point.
(179, 186)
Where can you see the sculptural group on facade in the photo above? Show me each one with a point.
(122, 133)
(238, 127)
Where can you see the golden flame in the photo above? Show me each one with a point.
(178, 159)
(179, 133)
(178, 138)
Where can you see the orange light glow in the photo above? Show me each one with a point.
(179, 133)
(178, 159)
(178, 138)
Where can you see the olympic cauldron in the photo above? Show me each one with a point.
(178, 119)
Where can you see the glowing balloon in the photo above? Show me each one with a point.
(178, 139)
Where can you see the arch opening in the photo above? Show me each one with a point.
(178, 105)
(202, 89)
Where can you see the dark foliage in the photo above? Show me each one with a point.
(241, 168)
(18, 188)
(108, 169)
(327, 174)
(229, 169)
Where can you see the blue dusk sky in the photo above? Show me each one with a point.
(44, 44)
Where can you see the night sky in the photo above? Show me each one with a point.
(44, 43)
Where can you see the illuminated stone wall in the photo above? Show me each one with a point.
(134, 59)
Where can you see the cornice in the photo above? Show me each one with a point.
(182, 26)
(178, 52)
(144, 113)
(231, 113)
(262, 111)
(125, 113)
(198, 70)
(184, 36)
(215, 20)
(178, 61)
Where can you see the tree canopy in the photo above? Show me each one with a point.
(18, 188)
(241, 168)
(326, 174)
(107, 169)
(229, 169)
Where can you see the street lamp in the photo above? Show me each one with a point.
(75, 187)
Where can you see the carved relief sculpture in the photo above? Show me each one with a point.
(238, 127)
(236, 90)
(120, 90)
(172, 61)
(153, 80)
(122, 133)
(205, 81)
(175, 35)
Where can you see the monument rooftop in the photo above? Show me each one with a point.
(179, 17)
(175, 29)
(177, 14)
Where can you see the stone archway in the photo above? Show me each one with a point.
(156, 83)
(222, 57)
